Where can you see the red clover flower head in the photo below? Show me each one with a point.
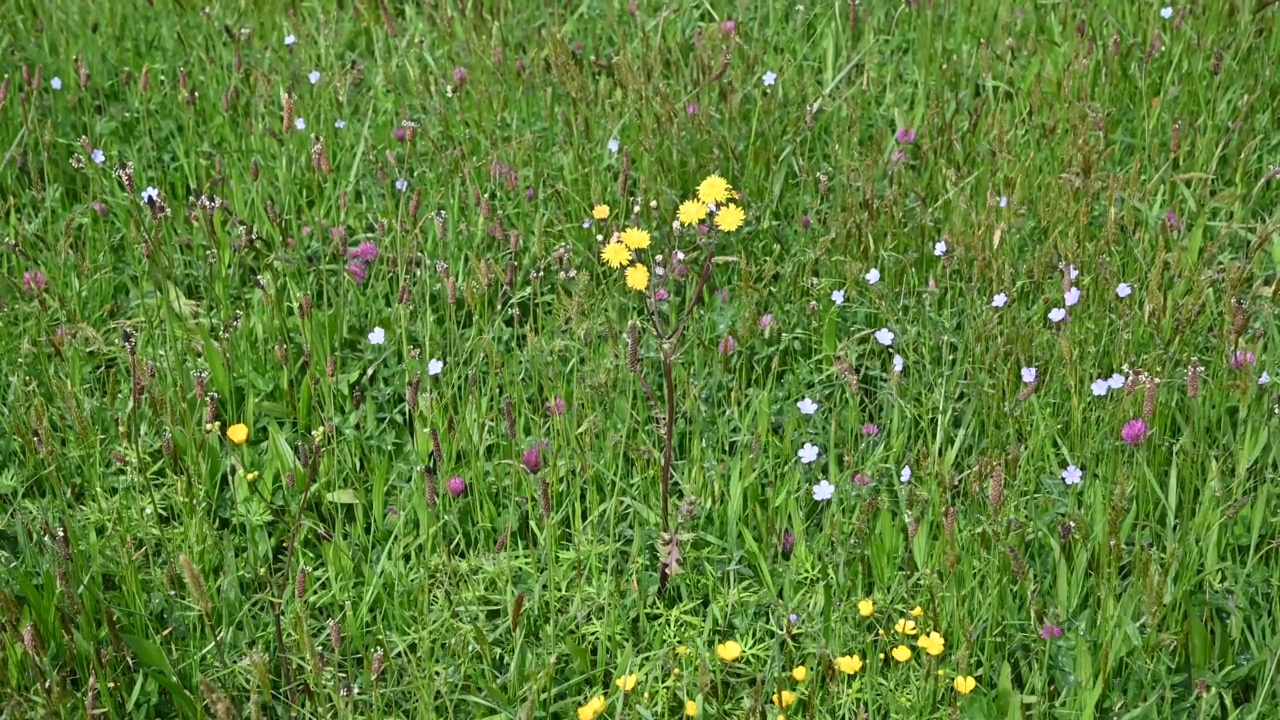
(1134, 431)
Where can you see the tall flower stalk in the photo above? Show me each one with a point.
(710, 214)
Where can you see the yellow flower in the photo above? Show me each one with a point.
(800, 673)
(600, 212)
(637, 277)
(784, 699)
(866, 608)
(729, 650)
(848, 664)
(730, 218)
(690, 708)
(713, 189)
(691, 212)
(683, 650)
(964, 684)
(902, 653)
(627, 682)
(251, 476)
(933, 643)
(917, 611)
(615, 255)
(906, 627)
(594, 707)
(635, 238)
(238, 433)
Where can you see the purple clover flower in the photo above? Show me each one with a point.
(456, 486)
(1134, 431)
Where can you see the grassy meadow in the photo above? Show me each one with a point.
(587, 360)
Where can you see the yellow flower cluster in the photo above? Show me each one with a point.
(713, 191)
(714, 196)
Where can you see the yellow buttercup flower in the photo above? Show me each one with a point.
(799, 673)
(933, 643)
(866, 608)
(635, 238)
(690, 708)
(691, 212)
(784, 699)
(730, 218)
(906, 627)
(964, 684)
(615, 255)
(594, 707)
(637, 277)
(848, 664)
(714, 189)
(683, 650)
(238, 433)
(902, 653)
(627, 683)
(917, 611)
(600, 212)
(729, 650)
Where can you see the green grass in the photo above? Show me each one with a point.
(144, 574)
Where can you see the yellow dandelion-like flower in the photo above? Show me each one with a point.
(690, 708)
(627, 683)
(933, 643)
(635, 238)
(902, 653)
(691, 212)
(784, 699)
(730, 218)
(600, 212)
(800, 673)
(729, 650)
(638, 277)
(615, 255)
(906, 627)
(848, 664)
(866, 608)
(964, 684)
(683, 650)
(917, 611)
(714, 189)
(238, 433)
